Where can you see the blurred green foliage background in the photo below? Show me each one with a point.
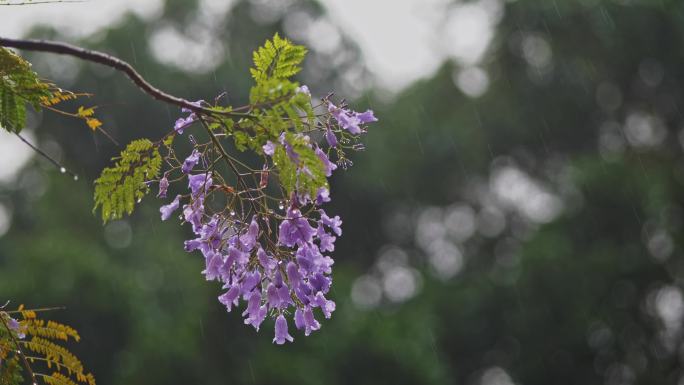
(528, 235)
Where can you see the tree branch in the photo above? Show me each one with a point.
(110, 61)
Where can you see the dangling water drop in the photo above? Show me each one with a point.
(281, 205)
(232, 213)
(62, 170)
(75, 177)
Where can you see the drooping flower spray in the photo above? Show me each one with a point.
(261, 227)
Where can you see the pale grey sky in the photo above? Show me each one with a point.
(402, 40)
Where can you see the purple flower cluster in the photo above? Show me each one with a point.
(351, 120)
(277, 274)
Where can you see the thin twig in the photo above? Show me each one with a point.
(48, 157)
(225, 155)
(37, 310)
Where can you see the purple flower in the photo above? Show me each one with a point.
(197, 181)
(213, 263)
(349, 123)
(303, 90)
(163, 186)
(326, 305)
(288, 148)
(327, 240)
(181, 123)
(295, 230)
(327, 164)
(190, 162)
(293, 274)
(310, 323)
(322, 196)
(248, 240)
(255, 312)
(320, 283)
(167, 210)
(334, 223)
(330, 138)
(299, 318)
(351, 120)
(345, 118)
(193, 214)
(250, 281)
(267, 262)
(291, 152)
(269, 148)
(367, 117)
(16, 327)
(281, 333)
(230, 298)
(235, 256)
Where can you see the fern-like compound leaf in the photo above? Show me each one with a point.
(122, 185)
(18, 85)
(278, 58)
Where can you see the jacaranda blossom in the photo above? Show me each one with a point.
(272, 265)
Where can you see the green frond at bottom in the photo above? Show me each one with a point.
(10, 371)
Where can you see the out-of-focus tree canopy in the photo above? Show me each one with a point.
(530, 235)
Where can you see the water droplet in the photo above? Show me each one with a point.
(232, 213)
(62, 170)
(270, 211)
(75, 177)
(139, 199)
(281, 205)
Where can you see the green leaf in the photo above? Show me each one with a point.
(277, 59)
(121, 186)
(18, 85)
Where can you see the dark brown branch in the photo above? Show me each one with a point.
(110, 61)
